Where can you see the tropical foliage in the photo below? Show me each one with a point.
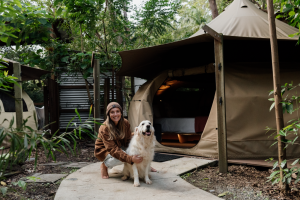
(290, 104)
(289, 11)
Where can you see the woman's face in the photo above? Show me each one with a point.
(115, 115)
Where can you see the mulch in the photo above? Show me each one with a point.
(241, 182)
(45, 191)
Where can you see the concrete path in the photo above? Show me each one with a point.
(86, 183)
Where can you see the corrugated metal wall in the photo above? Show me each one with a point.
(73, 94)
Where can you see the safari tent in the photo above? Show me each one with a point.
(182, 96)
(8, 111)
(7, 100)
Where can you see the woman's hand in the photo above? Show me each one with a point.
(137, 159)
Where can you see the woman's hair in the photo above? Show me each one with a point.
(116, 132)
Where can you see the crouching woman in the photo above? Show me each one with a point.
(114, 135)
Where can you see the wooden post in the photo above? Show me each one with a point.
(221, 106)
(54, 104)
(277, 90)
(18, 95)
(119, 88)
(46, 105)
(132, 86)
(221, 100)
(106, 95)
(96, 66)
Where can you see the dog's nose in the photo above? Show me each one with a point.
(148, 126)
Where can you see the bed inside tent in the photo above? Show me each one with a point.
(181, 107)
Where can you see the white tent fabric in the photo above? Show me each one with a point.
(243, 19)
(26, 115)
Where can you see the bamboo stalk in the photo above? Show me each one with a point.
(277, 90)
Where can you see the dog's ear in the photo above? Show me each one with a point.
(136, 130)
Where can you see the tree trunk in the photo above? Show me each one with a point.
(277, 92)
(86, 82)
(213, 8)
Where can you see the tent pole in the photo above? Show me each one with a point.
(18, 95)
(277, 90)
(220, 92)
(96, 67)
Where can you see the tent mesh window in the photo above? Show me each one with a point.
(8, 102)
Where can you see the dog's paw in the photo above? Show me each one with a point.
(124, 178)
(136, 184)
(149, 182)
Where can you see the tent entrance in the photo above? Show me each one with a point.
(181, 107)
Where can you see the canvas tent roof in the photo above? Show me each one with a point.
(241, 20)
(28, 73)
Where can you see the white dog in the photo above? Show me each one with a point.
(142, 144)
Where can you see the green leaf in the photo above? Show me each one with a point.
(275, 165)
(58, 12)
(3, 38)
(282, 133)
(283, 163)
(65, 59)
(295, 162)
(56, 2)
(83, 66)
(80, 54)
(69, 123)
(45, 39)
(3, 190)
(29, 21)
(90, 70)
(273, 174)
(292, 13)
(289, 108)
(91, 108)
(288, 7)
(272, 106)
(79, 132)
(283, 107)
(76, 111)
(22, 184)
(25, 141)
(43, 21)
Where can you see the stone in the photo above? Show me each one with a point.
(30, 160)
(77, 164)
(54, 164)
(45, 178)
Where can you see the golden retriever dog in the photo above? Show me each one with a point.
(142, 144)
